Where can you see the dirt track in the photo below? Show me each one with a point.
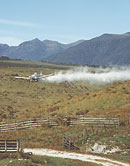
(84, 157)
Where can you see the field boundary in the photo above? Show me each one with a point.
(90, 120)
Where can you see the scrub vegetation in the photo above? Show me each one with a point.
(31, 160)
(20, 99)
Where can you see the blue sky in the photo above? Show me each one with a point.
(61, 20)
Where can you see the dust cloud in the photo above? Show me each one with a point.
(91, 75)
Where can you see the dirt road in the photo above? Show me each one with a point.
(84, 157)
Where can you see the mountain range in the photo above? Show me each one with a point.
(34, 50)
(107, 49)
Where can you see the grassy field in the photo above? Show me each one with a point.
(20, 160)
(31, 64)
(21, 99)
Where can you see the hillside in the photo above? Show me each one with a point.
(107, 49)
(20, 99)
(34, 50)
(63, 98)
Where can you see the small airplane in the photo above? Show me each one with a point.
(35, 77)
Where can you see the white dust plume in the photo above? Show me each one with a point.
(91, 75)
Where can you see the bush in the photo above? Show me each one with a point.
(10, 156)
(39, 159)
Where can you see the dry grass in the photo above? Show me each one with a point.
(21, 99)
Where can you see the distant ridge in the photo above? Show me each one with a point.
(34, 50)
(107, 49)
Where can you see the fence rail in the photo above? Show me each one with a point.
(10, 146)
(92, 120)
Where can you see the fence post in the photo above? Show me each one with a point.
(69, 143)
(92, 130)
(15, 125)
(119, 120)
(48, 121)
(5, 145)
(84, 136)
(18, 145)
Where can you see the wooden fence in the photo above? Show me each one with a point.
(67, 143)
(10, 146)
(26, 124)
(92, 120)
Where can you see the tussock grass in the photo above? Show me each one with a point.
(21, 99)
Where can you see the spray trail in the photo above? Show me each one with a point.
(97, 76)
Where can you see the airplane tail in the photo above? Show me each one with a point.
(41, 74)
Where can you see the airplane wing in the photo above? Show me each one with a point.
(44, 76)
(35, 78)
(24, 78)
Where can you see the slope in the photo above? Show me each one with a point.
(34, 50)
(107, 49)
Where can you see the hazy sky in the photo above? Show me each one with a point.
(61, 20)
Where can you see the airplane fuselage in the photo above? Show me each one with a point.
(36, 77)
